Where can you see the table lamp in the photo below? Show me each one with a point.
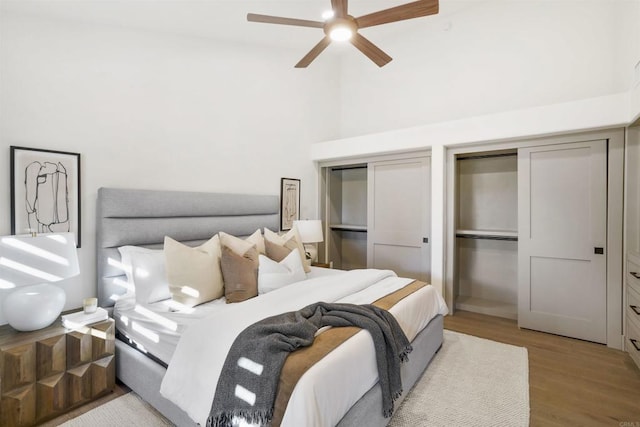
(28, 266)
(310, 231)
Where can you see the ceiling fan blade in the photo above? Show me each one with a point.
(339, 7)
(253, 17)
(313, 53)
(372, 51)
(399, 13)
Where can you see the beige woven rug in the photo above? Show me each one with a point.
(128, 410)
(470, 382)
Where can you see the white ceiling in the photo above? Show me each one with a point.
(226, 19)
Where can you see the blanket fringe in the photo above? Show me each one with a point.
(404, 354)
(226, 419)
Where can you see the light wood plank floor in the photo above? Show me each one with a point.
(571, 382)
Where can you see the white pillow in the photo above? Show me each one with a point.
(145, 272)
(273, 275)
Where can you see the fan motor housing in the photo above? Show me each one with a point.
(348, 22)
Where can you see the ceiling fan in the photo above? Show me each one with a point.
(340, 26)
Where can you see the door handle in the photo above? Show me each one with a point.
(636, 309)
(634, 342)
(634, 274)
(598, 251)
(425, 240)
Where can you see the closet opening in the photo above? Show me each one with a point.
(347, 216)
(487, 233)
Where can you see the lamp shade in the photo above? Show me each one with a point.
(28, 266)
(310, 230)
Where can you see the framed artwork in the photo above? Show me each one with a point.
(289, 202)
(45, 191)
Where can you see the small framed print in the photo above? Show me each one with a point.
(289, 202)
(45, 191)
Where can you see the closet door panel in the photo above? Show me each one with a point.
(399, 216)
(561, 221)
(406, 261)
(633, 191)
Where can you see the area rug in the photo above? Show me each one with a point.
(127, 410)
(471, 381)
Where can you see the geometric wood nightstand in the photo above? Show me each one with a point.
(321, 264)
(47, 372)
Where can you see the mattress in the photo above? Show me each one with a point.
(155, 329)
(329, 388)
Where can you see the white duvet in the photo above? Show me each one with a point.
(193, 372)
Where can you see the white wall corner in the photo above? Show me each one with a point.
(634, 104)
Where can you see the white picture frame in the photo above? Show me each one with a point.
(45, 191)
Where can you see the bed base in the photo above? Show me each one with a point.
(144, 377)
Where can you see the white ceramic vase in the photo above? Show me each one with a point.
(29, 308)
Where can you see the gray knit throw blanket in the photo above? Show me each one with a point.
(249, 379)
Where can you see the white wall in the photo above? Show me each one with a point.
(152, 110)
(633, 45)
(487, 57)
(157, 111)
(489, 71)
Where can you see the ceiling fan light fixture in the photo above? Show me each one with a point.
(328, 14)
(339, 25)
(341, 33)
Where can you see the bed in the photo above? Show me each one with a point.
(143, 218)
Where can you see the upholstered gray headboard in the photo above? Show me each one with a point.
(145, 217)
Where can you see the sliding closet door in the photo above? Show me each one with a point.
(562, 202)
(398, 219)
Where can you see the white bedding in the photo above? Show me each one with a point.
(159, 336)
(193, 373)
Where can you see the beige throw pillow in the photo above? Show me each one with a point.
(277, 252)
(290, 238)
(257, 239)
(239, 264)
(194, 274)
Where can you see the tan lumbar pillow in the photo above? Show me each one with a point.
(290, 240)
(194, 274)
(239, 264)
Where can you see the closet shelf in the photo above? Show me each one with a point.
(348, 227)
(508, 235)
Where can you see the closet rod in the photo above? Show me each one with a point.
(487, 156)
(342, 168)
(485, 237)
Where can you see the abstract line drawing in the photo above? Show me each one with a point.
(47, 197)
(45, 191)
(289, 202)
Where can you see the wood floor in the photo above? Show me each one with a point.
(571, 382)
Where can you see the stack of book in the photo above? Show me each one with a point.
(78, 319)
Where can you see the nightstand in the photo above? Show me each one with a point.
(47, 372)
(320, 264)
